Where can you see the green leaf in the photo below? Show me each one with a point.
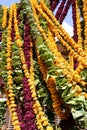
(77, 113)
(39, 40)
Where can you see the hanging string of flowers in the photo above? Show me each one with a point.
(11, 95)
(74, 20)
(60, 9)
(54, 4)
(78, 24)
(1, 15)
(85, 25)
(64, 13)
(51, 84)
(28, 120)
(78, 30)
(4, 19)
(27, 44)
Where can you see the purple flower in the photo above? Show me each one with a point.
(29, 117)
(60, 9)
(27, 44)
(75, 37)
(54, 4)
(64, 13)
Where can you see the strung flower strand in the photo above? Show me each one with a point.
(54, 4)
(11, 96)
(60, 9)
(75, 37)
(4, 19)
(64, 13)
(85, 21)
(78, 24)
(51, 85)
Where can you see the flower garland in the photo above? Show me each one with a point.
(41, 119)
(4, 19)
(85, 21)
(57, 101)
(51, 84)
(54, 4)
(28, 120)
(10, 95)
(77, 30)
(27, 44)
(74, 21)
(0, 37)
(37, 107)
(1, 15)
(64, 12)
(60, 9)
(78, 24)
(80, 67)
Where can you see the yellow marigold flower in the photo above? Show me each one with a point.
(49, 128)
(17, 127)
(45, 123)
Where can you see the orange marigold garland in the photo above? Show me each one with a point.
(85, 25)
(4, 19)
(51, 85)
(10, 95)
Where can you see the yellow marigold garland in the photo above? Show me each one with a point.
(10, 94)
(41, 119)
(51, 85)
(78, 24)
(37, 107)
(4, 19)
(85, 20)
(78, 34)
(80, 40)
